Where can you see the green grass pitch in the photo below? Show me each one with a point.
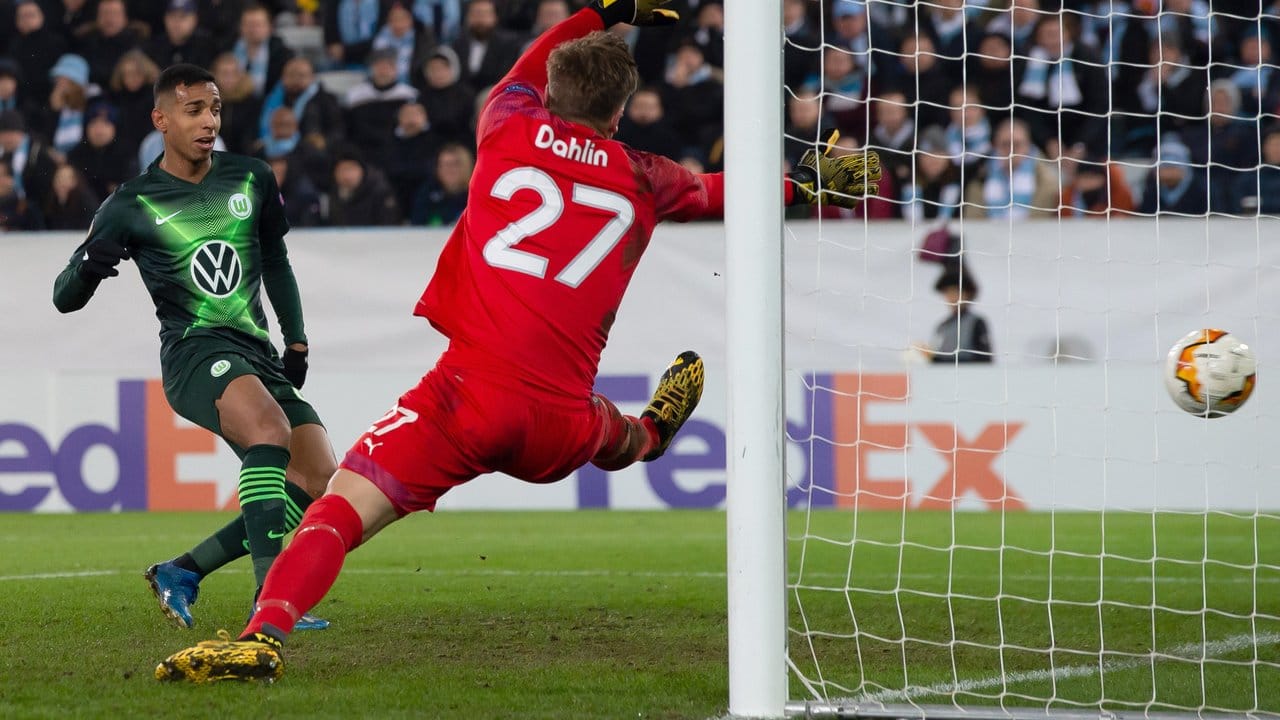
(622, 615)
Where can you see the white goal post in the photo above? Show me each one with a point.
(1046, 534)
(755, 503)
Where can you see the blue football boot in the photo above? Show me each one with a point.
(310, 622)
(176, 589)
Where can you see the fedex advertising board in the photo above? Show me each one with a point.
(932, 439)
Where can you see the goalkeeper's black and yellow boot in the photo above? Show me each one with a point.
(253, 658)
(678, 393)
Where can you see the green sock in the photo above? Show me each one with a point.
(232, 541)
(296, 503)
(262, 502)
(220, 548)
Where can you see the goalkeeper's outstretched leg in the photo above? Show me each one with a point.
(630, 439)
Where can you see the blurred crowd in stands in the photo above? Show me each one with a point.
(365, 109)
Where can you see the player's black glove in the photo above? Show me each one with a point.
(840, 181)
(295, 366)
(101, 256)
(635, 12)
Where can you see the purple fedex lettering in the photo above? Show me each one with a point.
(37, 458)
(814, 485)
(662, 472)
(66, 463)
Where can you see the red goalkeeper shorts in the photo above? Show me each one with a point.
(459, 423)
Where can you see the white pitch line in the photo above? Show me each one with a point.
(1188, 651)
(60, 575)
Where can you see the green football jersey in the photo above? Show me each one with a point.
(203, 250)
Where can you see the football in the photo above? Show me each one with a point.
(1210, 373)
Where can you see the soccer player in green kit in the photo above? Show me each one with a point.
(206, 231)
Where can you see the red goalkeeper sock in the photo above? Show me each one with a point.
(651, 437)
(304, 572)
(627, 440)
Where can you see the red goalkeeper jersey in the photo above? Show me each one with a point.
(557, 218)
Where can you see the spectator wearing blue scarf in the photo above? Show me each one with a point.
(1174, 186)
(286, 141)
(873, 44)
(444, 17)
(318, 113)
(349, 27)
(969, 134)
(30, 159)
(946, 23)
(844, 85)
(68, 100)
(410, 40)
(1019, 182)
(260, 53)
(1064, 87)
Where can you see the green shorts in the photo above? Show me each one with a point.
(198, 370)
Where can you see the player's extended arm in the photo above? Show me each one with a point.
(70, 291)
(681, 195)
(840, 181)
(94, 261)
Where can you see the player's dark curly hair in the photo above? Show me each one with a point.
(591, 78)
(180, 74)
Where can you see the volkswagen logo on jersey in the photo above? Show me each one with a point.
(215, 268)
(240, 205)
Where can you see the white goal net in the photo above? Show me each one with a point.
(1000, 512)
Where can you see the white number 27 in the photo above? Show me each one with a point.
(500, 251)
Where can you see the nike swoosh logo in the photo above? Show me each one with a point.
(167, 218)
(275, 535)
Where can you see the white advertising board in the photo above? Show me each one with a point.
(84, 426)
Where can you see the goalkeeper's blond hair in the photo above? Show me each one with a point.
(590, 79)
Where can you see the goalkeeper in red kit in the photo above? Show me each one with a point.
(526, 290)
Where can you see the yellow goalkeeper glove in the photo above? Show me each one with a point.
(840, 181)
(635, 12)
